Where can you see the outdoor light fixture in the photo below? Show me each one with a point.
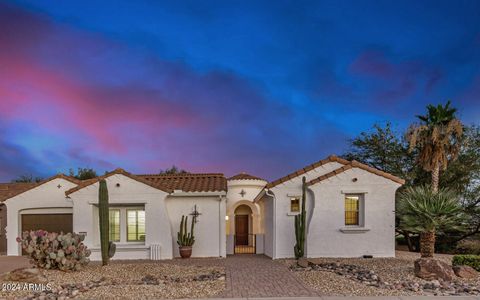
(226, 218)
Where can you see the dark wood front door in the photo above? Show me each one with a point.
(241, 230)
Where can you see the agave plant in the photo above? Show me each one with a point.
(427, 212)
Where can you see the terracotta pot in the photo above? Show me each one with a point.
(185, 251)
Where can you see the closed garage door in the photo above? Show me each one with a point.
(48, 222)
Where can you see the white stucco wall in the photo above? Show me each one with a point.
(210, 236)
(269, 230)
(235, 199)
(325, 215)
(284, 219)
(46, 198)
(325, 239)
(129, 193)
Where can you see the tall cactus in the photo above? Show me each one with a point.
(300, 225)
(103, 218)
(185, 238)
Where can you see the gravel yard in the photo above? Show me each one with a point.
(392, 270)
(127, 280)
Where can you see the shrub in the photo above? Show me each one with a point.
(468, 247)
(50, 250)
(467, 260)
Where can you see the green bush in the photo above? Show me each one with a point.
(467, 260)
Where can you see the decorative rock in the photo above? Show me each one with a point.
(429, 268)
(30, 275)
(302, 262)
(465, 271)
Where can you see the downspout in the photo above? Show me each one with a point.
(274, 218)
(220, 220)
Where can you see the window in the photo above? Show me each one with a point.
(352, 210)
(294, 204)
(135, 225)
(114, 220)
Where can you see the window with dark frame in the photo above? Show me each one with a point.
(352, 210)
(294, 204)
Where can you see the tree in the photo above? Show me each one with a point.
(426, 212)
(83, 173)
(437, 139)
(172, 170)
(384, 147)
(27, 178)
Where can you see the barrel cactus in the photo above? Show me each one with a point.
(300, 225)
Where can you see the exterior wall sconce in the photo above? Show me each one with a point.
(226, 218)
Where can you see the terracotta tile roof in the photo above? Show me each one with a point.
(243, 176)
(9, 190)
(190, 182)
(89, 182)
(331, 158)
(356, 164)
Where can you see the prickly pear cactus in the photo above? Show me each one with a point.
(50, 250)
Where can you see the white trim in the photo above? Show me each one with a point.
(293, 213)
(354, 229)
(46, 211)
(357, 191)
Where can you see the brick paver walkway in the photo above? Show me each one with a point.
(259, 276)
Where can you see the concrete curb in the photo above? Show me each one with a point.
(355, 298)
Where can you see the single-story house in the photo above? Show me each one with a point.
(350, 212)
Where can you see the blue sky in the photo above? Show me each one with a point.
(264, 87)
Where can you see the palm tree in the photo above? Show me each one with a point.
(437, 138)
(427, 212)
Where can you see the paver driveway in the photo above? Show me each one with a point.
(10, 263)
(259, 276)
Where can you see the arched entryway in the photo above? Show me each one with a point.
(244, 237)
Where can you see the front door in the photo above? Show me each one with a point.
(241, 230)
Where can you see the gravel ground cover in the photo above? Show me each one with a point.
(128, 280)
(392, 270)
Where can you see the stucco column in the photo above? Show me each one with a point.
(222, 212)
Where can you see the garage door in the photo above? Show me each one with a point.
(48, 222)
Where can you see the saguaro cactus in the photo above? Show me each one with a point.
(104, 221)
(300, 225)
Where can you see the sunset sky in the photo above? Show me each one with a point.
(264, 87)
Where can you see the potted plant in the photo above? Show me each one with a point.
(185, 239)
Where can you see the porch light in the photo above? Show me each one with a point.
(226, 218)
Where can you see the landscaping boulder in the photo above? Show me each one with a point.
(302, 262)
(465, 272)
(31, 275)
(430, 269)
